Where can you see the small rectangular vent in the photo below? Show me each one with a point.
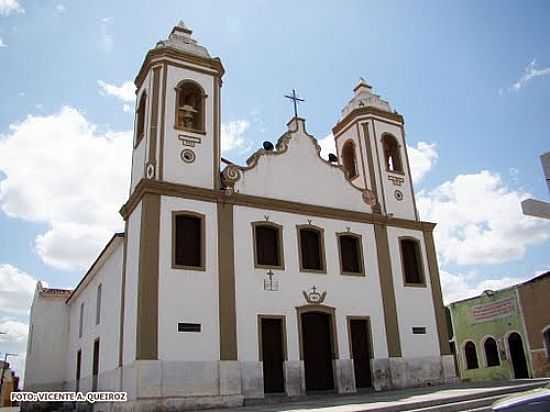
(189, 327)
(418, 330)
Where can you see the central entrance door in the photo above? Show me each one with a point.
(360, 351)
(317, 351)
(273, 354)
(517, 354)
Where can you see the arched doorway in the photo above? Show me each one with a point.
(517, 355)
(317, 348)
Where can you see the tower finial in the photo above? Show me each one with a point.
(181, 27)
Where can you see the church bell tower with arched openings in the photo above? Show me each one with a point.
(177, 122)
(371, 147)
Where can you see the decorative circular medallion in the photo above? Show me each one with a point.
(188, 156)
(398, 194)
(369, 197)
(150, 171)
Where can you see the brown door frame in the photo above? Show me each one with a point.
(329, 310)
(369, 337)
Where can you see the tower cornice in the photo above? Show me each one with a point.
(208, 65)
(364, 111)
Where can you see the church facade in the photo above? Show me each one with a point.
(286, 275)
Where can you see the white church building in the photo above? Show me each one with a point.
(287, 275)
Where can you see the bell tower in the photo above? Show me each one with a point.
(370, 142)
(177, 121)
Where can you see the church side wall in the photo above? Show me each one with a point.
(46, 349)
(189, 296)
(109, 276)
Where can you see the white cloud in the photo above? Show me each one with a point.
(529, 73)
(462, 286)
(480, 220)
(126, 92)
(232, 135)
(61, 171)
(327, 145)
(60, 8)
(2, 44)
(422, 158)
(8, 7)
(16, 291)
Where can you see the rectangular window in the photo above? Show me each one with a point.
(188, 241)
(81, 320)
(189, 327)
(95, 365)
(310, 241)
(268, 247)
(98, 306)
(78, 364)
(351, 255)
(411, 262)
(419, 330)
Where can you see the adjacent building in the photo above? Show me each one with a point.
(504, 334)
(285, 275)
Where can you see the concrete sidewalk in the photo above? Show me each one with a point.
(390, 401)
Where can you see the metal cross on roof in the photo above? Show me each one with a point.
(295, 99)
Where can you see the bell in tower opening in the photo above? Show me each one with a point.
(190, 106)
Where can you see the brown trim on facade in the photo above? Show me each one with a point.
(153, 126)
(383, 194)
(239, 199)
(360, 251)
(388, 291)
(365, 118)
(420, 262)
(216, 128)
(283, 337)
(123, 296)
(322, 250)
(300, 310)
(162, 118)
(363, 170)
(437, 296)
(369, 331)
(410, 175)
(370, 158)
(211, 65)
(202, 217)
(226, 283)
(148, 279)
(280, 252)
(361, 111)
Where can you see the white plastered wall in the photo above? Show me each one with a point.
(131, 285)
(139, 151)
(350, 295)
(189, 296)
(414, 304)
(109, 275)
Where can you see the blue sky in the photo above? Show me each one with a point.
(472, 80)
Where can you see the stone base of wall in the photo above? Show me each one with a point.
(154, 385)
(398, 373)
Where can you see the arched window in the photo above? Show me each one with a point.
(392, 157)
(470, 355)
(190, 107)
(348, 159)
(546, 336)
(141, 117)
(491, 352)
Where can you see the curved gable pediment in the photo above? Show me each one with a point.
(296, 172)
